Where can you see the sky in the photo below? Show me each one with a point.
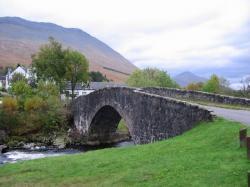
(201, 36)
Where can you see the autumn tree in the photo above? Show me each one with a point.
(195, 86)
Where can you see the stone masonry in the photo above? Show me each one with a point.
(149, 117)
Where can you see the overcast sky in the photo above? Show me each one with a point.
(175, 35)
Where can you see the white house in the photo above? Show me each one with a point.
(20, 69)
(84, 89)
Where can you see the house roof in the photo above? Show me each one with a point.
(79, 86)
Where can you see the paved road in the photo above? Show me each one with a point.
(242, 116)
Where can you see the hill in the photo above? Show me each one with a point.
(19, 38)
(185, 78)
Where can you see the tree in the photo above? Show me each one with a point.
(55, 64)
(97, 76)
(49, 63)
(212, 85)
(18, 77)
(195, 86)
(224, 82)
(151, 77)
(245, 89)
(76, 68)
(45, 89)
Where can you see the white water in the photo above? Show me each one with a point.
(20, 155)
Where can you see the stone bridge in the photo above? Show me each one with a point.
(149, 117)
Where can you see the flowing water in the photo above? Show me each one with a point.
(13, 156)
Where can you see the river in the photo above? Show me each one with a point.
(13, 156)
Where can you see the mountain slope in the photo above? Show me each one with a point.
(185, 78)
(20, 38)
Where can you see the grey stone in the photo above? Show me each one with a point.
(2, 148)
(149, 117)
(29, 146)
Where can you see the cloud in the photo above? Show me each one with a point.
(198, 35)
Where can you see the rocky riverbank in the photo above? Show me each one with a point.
(57, 141)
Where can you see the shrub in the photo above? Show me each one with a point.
(34, 104)
(20, 89)
(8, 114)
(55, 117)
(9, 104)
(32, 111)
(46, 89)
(18, 77)
(195, 86)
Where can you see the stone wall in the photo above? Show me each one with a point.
(149, 117)
(196, 95)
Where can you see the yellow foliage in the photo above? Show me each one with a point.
(9, 104)
(194, 86)
(34, 103)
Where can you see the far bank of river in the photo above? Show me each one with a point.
(15, 155)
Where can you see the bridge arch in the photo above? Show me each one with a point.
(105, 121)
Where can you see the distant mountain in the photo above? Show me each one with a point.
(20, 38)
(185, 78)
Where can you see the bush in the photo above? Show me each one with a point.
(46, 89)
(55, 116)
(33, 111)
(8, 114)
(212, 85)
(9, 104)
(34, 104)
(195, 86)
(20, 88)
(18, 77)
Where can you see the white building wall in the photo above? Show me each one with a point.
(20, 70)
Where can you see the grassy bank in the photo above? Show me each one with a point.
(208, 155)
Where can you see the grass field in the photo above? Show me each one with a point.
(208, 155)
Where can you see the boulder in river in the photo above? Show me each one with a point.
(3, 148)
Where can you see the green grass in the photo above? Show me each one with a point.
(122, 127)
(208, 155)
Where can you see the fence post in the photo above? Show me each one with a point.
(248, 147)
(248, 179)
(242, 137)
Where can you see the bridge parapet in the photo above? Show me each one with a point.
(197, 95)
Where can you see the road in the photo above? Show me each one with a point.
(242, 116)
